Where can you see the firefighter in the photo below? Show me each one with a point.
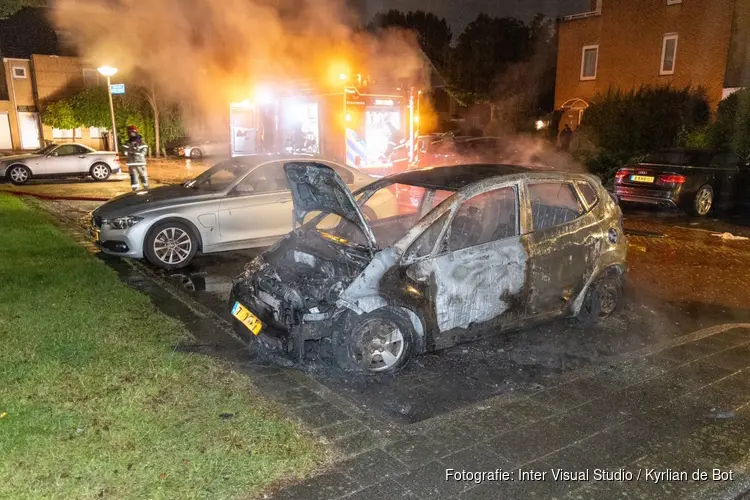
(136, 151)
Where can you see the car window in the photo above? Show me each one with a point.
(553, 203)
(589, 193)
(690, 158)
(82, 150)
(727, 159)
(345, 174)
(67, 150)
(220, 176)
(425, 243)
(483, 218)
(265, 179)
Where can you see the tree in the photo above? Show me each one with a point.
(10, 7)
(433, 33)
(90, 108)
(485, 50)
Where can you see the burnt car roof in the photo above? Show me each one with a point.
(455, 177)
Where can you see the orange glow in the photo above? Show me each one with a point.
(348, 117)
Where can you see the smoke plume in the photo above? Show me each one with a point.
(208, 53)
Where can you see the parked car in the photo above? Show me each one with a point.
(694, 180)
(176, 146)
(243, 202)
(60, 160)
(201, 148)
(506, 248)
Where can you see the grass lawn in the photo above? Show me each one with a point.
(96, 403)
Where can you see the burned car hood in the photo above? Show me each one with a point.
(131, 203)
(317, 187)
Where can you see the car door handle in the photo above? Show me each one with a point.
(285, 200)
(81, 157)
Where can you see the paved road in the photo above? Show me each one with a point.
(664, 385)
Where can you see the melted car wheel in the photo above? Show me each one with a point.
(378, 342)
(603, 299)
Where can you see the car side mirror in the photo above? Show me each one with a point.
(54, 153)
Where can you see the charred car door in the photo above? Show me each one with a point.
(564, 246)
(478, 272)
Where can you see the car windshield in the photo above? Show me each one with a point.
(220, 176)
(690, 158)
(391, 211)
(46, 149)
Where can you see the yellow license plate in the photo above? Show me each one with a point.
(247, 318)
(642, 178)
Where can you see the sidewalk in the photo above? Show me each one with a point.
(680, 408)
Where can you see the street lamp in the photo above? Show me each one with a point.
(109, 71)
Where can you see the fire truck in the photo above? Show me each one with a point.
(359, 124)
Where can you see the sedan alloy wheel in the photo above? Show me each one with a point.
(173, 246)
(19, 174)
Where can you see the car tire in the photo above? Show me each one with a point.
(703, 201)
(196, 154)
(171, 245)
(18, 174)
(100, 172)
(603, 298)
(361, 342)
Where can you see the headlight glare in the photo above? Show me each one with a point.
(123, 222)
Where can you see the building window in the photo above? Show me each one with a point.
(90, 77)
(674, 2)
(19, 72)
(668, 55)
(58, 133)
(589, 61)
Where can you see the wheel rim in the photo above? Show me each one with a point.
(100, 172)
(172, 245)
(381, 345)
(196, 154)
(703, 201)
(19, 174)
(607, 299)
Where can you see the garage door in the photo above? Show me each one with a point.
(5, 141)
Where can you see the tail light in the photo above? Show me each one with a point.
(672, 179)
(117, 158)
(623, 172)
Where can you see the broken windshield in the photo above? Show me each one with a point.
(390, 211)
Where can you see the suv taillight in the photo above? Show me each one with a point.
(622, 173)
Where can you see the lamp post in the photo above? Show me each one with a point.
(109, 71)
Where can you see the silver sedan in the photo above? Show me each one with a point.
(240, 203)
(60, 160)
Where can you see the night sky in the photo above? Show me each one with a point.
(459, 13)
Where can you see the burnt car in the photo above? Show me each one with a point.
(488, 248)
(693, 180)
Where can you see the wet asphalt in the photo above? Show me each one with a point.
(685, 274)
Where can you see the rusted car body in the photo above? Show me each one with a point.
(488, 248)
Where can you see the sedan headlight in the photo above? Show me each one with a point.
(123, 222)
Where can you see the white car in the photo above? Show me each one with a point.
(60, 160)
(201, 148)
(240, 203)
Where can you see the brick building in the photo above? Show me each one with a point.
(624, 44)
(30, 80)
